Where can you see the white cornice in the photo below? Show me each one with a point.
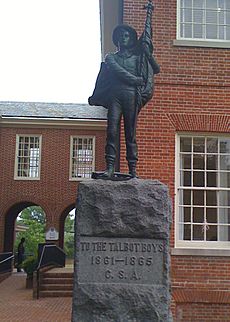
(52, 123)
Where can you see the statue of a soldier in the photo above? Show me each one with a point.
(124, 85)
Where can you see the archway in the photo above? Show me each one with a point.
(69, 236)
(10, 223)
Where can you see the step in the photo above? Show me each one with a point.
(58, 275)
(51, 280)
(58, 287)
(55, 294)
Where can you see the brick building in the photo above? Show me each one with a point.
(184, 141)
(45, 150)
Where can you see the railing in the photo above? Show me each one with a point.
(49, 255)
(6, 264)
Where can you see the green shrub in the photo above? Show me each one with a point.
(30, 265)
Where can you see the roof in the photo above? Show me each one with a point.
(52, 110)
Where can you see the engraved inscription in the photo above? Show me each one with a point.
(120, 260)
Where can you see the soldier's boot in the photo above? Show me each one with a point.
(109, 172)
(132, 170)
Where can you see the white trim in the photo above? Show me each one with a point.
(71, 151)
(52, 122)
(16, 177)
(201, 43)
(199, 252)
(176, 202)
(191, 244)
(197, 42)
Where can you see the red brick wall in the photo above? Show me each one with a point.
(53, 192)
(192, 93)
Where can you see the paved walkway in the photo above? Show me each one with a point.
(17, 304)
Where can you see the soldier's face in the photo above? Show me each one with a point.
(125, 40)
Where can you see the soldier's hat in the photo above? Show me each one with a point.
(117, 30)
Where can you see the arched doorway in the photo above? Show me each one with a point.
(33, 220)
(26, 212)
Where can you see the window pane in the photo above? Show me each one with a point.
(185, 178)
(186, 30)
(212, 145)
(187, 232)
(211, 4)
(198, 4)
(186, 15)
(227, 3)
(185, 144)
(224, 197)
(198, 161)
(198, 144)
(225, 146)
(185, 197)
(221, 4)
(228, 17)
(185, 214)
(224, 215)
(198, 215)
(221, 32)
(198, 197)
(185, 161)
(211, 31)
(228, 33)
(224, 233)
(212, 162)
(211, 198)
(198, 232)
(198, 31)
(225, 179)
(211, 215)
(225, 162)
(211, 233)
(212, 179)
(198, 179)
(186, 3)
(211, 17)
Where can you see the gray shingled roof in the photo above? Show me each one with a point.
(52, 110)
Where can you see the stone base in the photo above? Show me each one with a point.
(122, 252)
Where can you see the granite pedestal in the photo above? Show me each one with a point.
(122, 260)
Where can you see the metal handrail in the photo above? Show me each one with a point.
(43, 250)
(6, 259)
(6, 262)
(40, 262)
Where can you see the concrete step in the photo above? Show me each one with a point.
(58, 275)
(58, 287)
(56, 293)
(53, 280)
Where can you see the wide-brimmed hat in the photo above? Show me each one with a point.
(117, 30)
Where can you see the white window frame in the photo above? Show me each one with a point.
(200, 42)
(16, 177)
(72, 137)
(193, 244)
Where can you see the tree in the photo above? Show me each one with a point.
(69, 236)
(34, 218)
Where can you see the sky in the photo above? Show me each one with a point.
(50, 50)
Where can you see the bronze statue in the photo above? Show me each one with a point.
(124, 85)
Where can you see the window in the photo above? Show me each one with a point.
(203, 191)
(204, 20)
(27, 165)
(82, 157)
